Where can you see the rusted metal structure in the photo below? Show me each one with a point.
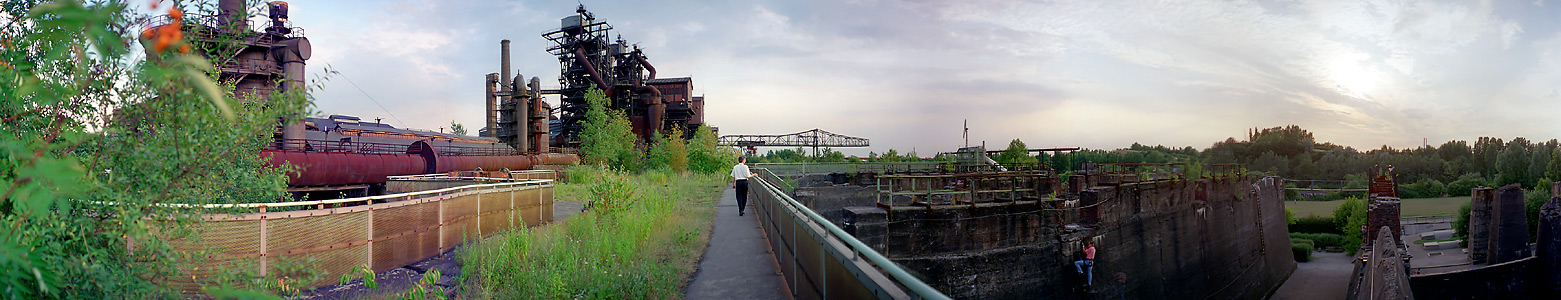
(812, 138)
(516, 113)
(342, 154)
(589, 58)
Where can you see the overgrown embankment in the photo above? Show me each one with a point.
(640, 237)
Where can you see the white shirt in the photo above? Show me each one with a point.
(740, 171)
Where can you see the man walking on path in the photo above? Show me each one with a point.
(1088, 262)
(740, 174)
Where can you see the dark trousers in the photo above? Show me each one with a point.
(742, 195)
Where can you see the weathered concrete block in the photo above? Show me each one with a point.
(1480, 199)
(1549, 248)
(1509, 238)
(1383, 212)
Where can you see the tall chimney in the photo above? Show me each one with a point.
(504, 65)
(491, 82)
(233, 14)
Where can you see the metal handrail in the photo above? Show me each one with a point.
(921, 289)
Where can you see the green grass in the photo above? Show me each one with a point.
(642, 239)
(1409, 207)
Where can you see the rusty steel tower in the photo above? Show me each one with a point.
(258, 61)
(589, 58)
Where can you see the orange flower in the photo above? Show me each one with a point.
(174, 13)
(184, 49)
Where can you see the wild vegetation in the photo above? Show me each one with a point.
(649, 209)
(103, 122)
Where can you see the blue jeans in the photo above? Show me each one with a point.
(1088, 263)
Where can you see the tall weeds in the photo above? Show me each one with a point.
(640, 238)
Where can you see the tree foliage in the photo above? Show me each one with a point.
(1017, 153)
(96, 140)
(668, 151)
(457, 128)
(706, 156)
(608, 139)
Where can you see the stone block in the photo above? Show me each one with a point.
(1479, 223)
(1548, 248)
(1509, 236)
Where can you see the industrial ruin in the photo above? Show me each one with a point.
(971, 230)
(588, 58)
(1501, 262)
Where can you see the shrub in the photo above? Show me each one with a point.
(1350, 217)
(1461, 224)
(1425, 188)
(1302, 252)
(1319, 239)
(1532, 201)
(1464, 183)
(1314, 224)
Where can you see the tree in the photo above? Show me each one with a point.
(608, 138)
(706, 156)
(96, 140)
(1017, 153)
(1350, 216)
(457, 128)
(1513, 163)
(668, 151)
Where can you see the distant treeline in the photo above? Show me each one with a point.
(1294, 153)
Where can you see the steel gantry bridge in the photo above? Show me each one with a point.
(812, 138)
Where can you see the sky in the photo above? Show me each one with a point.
(908, 74)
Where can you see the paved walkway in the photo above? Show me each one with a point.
(737, 263)
(1327, 276)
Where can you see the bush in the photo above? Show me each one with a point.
(1302, 252)
(1464, 183)
(1314, 224)
(1532, 201)
(1350, 217)
(1320, 239)
(1351, 244)
(1461, 223)
(1425, 188)
(1336, 196)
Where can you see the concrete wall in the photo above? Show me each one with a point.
(1500, 281)
(1219, 239)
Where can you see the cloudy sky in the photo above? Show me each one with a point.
(905, 74)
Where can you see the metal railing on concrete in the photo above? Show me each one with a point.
(379, 232)
(821, 261)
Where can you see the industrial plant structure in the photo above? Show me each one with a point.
(343, 154)
(588, 58)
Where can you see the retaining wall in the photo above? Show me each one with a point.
(1167, 239)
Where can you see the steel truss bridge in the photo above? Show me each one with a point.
(812, 138)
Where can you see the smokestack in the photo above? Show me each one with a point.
(233, 14)
(504, 65)
(493, 100)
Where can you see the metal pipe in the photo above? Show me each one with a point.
(233, 14)
(595, 76)
(641, 57)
